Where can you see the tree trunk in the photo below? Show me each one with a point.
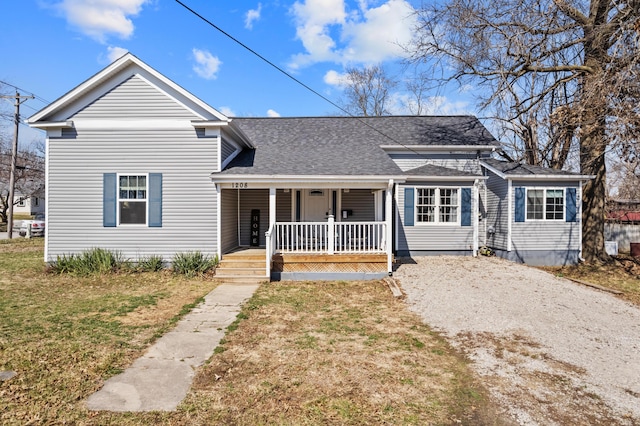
(593, 203)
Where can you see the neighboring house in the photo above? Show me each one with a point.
(29, 205)
(137, 164)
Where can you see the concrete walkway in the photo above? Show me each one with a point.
(160, 379)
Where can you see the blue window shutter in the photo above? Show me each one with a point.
(408, 206)
(520, 200)
(155, 200)
(465, 207)
(109, 199)
(572, 208)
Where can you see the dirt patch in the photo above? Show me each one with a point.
(551, 351)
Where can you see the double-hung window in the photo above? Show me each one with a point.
(132, 199)
(545, 204)
(437, 205)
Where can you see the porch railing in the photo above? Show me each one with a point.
(328, 237)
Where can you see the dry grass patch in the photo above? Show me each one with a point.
(334, 353)
(622, 274)
(299, 353)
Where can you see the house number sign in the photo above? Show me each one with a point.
(239, 185)
(255, 228)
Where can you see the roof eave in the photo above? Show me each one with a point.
(413, 148)
(44, 125)
(217, 177)
(445, 178)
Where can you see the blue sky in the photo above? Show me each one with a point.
(50, 46)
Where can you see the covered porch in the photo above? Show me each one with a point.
(310, 230)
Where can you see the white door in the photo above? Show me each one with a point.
(316, 206)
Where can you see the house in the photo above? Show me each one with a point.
(136, 163)
(29, 205)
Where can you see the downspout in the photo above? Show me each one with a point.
(509, 213)
(579, 218)
(218, 220)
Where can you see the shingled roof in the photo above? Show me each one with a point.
(346, 145)
(518, 169)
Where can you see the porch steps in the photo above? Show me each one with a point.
(243, 267)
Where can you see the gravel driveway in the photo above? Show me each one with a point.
(550, 351)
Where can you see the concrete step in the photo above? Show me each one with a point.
(251, 272)
(240, 263)
(241, 280)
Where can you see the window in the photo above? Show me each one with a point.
(545, 204)
(132, 200)
(437, 205)
(21, 202)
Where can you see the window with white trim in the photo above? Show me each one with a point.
(545, 204)
(437, 205)
(132, 199)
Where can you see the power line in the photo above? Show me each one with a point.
(315, 92)
(22, 90)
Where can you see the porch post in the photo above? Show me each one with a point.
(389, 225)
(219, 221)
(272, 206)
(331, 235)
(476, 217)
(270, 233)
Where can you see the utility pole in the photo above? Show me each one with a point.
(14, 156)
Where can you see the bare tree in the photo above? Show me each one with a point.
(29, 176)
(367, 91)
(556, 70)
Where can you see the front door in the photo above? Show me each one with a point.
(316, 206)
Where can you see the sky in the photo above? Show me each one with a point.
(48, 47)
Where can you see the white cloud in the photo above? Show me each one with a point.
(100, 18)
(381, 34)
(115, 52)
(329, 32)
(272, 113)
(206, 65)
(334, 78)
(251, 16)
(314, 19)
(227, 111)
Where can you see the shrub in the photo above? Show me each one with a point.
(152, 263)
(193, 263)
(94, 261)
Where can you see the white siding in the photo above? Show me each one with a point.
(135, 98)
(497, 211)
(77, 162)
(433, 237)
(546, 234)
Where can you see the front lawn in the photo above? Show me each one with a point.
(299, 353)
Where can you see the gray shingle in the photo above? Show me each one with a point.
(517, 169)
(345, 145)
(433, 170)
